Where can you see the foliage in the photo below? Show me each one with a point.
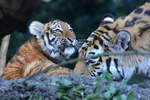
(84, 15)
(35, 97)
(67, 91)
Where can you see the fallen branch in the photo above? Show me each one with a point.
(3, 52)
(55, 66)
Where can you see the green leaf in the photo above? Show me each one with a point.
(112, 89)
(123, 97)
(79, 87)
(65, 98)
(107, 95)
(92, 96)
(131, 96)
(59, 95)
(65, 84)
(99, 82)
(115, 98)
(77, 90)
(108, 76)
(40, 98)
(30, 98)
(123, 84)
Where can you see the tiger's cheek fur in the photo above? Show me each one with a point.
(93, 53)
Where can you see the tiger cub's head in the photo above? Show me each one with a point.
(56, 38)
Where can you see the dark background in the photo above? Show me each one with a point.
(83, 15)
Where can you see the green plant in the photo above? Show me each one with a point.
(35, 97)
(65, 86)
(76, 91)
(67, 91)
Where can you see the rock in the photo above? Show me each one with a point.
(45, 87)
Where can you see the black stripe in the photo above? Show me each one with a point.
(101, 42)
(99, 39)
(142, 30)
(96, 47)
(92, 74)
(107, 27)
(17, 60)
(105, 38)
(47, 35)
(147, 12)
(84, 48)
(100, 59)
(138, 11)
(90, 61)
(132, 22)
(108, 61)
(136, 70)
(94, 71)
(96, 65)
(96, 33)
(44, 43)
(116, 65)
(92, 53)
(107, 35)
(115, 30)
(12, 61)
(69, 39)
(99, 73)
(100, 31)
(44, 40)
(106, 48)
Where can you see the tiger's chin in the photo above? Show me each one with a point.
(69, 52)
(59, 56)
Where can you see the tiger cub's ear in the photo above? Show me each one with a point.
(36, 28)
(123, 39)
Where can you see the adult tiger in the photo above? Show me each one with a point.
(126, 33)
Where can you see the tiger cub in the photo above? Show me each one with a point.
(51, 43)
(130, 33)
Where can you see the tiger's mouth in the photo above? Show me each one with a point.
(68, 49)
(62, 50)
